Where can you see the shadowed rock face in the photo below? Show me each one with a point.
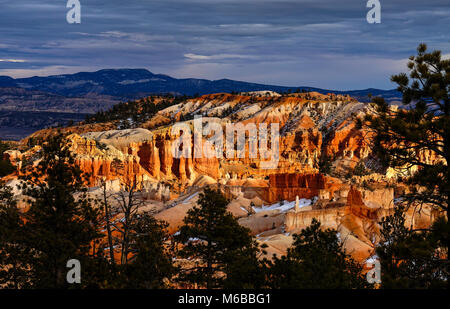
(288, 186)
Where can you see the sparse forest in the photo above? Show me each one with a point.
(133, 113)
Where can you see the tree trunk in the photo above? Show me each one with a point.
(209, 267)
(108, 226)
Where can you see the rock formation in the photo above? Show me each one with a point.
(312, 126)
(288, 186)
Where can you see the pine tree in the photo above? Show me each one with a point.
(151, 264)
(224, 252)
(403, 137)
(360, 169)
(325, 164)
(14, 255)
(6, 167)
(316, 260)
(61, 223)
(412, 258)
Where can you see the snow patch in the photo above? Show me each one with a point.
(372, 259)
(190, 197)
(130, 82)
(284, 206)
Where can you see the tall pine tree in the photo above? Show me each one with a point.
(415, 139)
(223, 253)
(15, 256)
(61, 222)
(316, 260)
(405, 137)
(412, 259)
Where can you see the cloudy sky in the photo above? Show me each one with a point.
(320, 43)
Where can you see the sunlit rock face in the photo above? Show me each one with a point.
(357, 219)
(311, 126)
(144, 154)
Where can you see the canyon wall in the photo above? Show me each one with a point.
(288, 186)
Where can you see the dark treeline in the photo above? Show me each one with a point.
(6, 167)
(138, 111)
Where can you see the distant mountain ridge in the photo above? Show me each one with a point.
(58, 99)
(136, 83)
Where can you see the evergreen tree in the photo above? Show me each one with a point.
(325, 164)
(403, 137)
(224, 252)
(316, 260)
(14, 255)
(412, 258)
(6, 167)
(360, 169)
(244, 269)
(151, 264)
(61, 223)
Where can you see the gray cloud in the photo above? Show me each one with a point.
(318, 43)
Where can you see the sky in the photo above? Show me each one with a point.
(318, 43)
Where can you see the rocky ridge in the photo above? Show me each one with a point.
(313, 126)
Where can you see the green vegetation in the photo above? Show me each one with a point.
(225, 252)
(35, 245)
(360, 169)
(56, 228)
(14, 254)
(135, 112)
(417, 258)
(6, 167)
(316, 260)
(151, 264)
(63, 223)
(413, 259)
(404, 136)
(325, 165)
